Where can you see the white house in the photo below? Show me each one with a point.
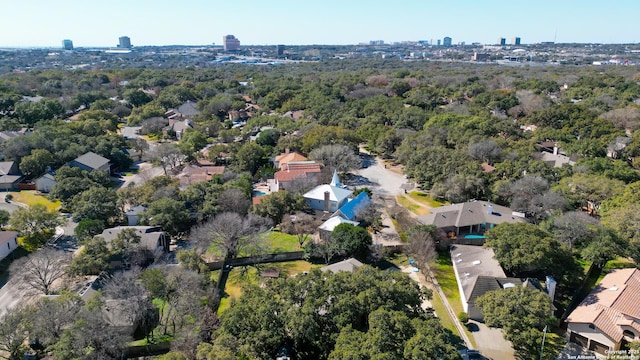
(8, 243)
(328, 197)
(45, 182)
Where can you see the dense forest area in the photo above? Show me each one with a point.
(461, 131)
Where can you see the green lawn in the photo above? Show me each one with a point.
(239, 277)
(411, 206)
(281, 242)
(32, 197)
(443, 270)
(425, 199)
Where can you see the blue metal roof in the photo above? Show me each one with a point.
(354, 206)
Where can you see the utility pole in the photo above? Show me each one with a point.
(544, 336)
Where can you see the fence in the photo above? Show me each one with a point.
(258, 259)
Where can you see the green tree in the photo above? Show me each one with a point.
(96, 203)
(88, 228)
(136, 97)
(276, 205)
(191, 142)
(522, 313)
(250, 157)
(92, 259)
(36, 163)
(522, 247)
(168, 213)
(13, 334)
(36, 225)
(354, 240)
(5, 216)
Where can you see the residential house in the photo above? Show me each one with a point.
(133, 214)
(477, 272)
(197, 173)
(287, 157)
(177, 127)
(187, 110)
(552, 155)
(471, 217)
(608, 318)
(617, 146)
(152, 238)
(327, 227)
(353, 206)
(91, 162)
(45, 182)
(8, 243)
(348, 265)
(295, 170)
(328, 197)
(10, 175)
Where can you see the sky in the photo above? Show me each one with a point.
(88, 23)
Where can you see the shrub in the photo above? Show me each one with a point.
(463, 317)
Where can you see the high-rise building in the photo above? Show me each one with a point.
(446, 41)
(124, 42)
(515, 41)
(439, 42)
(67, 44)
(280, 50)
(502, 41)
(230, 43)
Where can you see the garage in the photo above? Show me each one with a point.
(598, 347)
(579, 339)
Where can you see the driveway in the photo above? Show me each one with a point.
(491, 342)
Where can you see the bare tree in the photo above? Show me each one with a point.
(422, 243)
(336, 156)
(140, 145)
(13, 334)
(167, 155)
(233, 200)
(302, 225)
(303, 184)
(231, 233)
(574, 227)
(51, 316)
(485, 150)
(41, 269)
(134, 299)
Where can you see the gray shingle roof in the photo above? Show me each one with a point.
(469, 213)
(92, 160)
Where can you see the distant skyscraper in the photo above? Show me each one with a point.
(230, 43)
(280, 49)
(502, 41)
(67, 44)
(446, 41)
(124, 42)
(515, 41)
(439, 42)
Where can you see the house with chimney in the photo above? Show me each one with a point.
(198, 172)
(328, 197)
(608, 319)
(292, 171)
(551, 154)
(478, 272)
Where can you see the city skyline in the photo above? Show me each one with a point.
(41, 23)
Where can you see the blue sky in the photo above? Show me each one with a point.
(298, 22)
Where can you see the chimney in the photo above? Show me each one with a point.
(287, 150)
(555, 150)
(490, 210)
(327, 204)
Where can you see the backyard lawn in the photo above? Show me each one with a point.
(281, 242)
(239, 277)
(443, 270)
(32, 197)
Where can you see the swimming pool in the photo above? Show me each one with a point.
(472, 236)
(257, 193)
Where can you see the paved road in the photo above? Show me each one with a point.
(15, 292)
(378, 178)
(145, 172)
